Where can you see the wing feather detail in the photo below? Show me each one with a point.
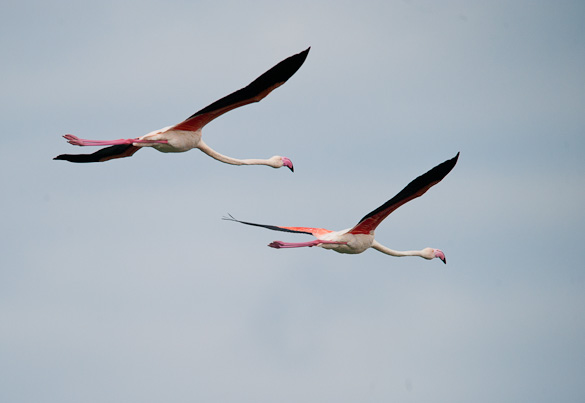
(414, 189)
(297, 230)
(101, 155)
(253, 92)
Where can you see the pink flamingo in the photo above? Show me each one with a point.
(361, 237)
(187, 134)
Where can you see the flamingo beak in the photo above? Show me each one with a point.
(288, 163)
(440, 255)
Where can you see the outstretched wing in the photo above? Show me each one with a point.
(254, 92)
(414, 189)
(298, 230)
(104, 154)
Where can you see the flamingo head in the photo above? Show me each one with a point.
(288, 163)
(430, 253)
(279, 162)
(439, 254)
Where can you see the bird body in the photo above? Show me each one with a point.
(346, 242)
(177, 141)
(187, 134)
(361, 237)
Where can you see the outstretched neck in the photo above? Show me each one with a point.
(232, 161)
(379, 247)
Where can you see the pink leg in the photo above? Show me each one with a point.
(76, 141)
(280, 244)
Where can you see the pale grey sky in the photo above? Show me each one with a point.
(119, 281)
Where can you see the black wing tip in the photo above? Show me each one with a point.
(291, 64)
(80, 158)
(301, 55)
(279, 74)
(270, 227)
(101, 155)
(451, 161)
(439, 172)
(77, 158)
(449, 164)
(430, 178)
(229, 218)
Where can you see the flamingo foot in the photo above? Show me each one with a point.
(76, 141)
(280, 244)
(317, 242)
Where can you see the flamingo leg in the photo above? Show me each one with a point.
(76, 141)
(280, 244)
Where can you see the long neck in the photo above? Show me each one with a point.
(397, 253)
(229, 160)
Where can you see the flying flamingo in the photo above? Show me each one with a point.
(361, 237)
(187, 134)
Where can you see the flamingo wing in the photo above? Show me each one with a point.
(254, 92)
(297, 230)
(414, 189)
(103, 154)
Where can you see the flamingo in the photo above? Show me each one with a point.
(187, 134)
(361, 236)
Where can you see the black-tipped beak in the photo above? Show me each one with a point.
(439, 253)
(288, 163)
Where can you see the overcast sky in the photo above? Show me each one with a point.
(119, 282)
